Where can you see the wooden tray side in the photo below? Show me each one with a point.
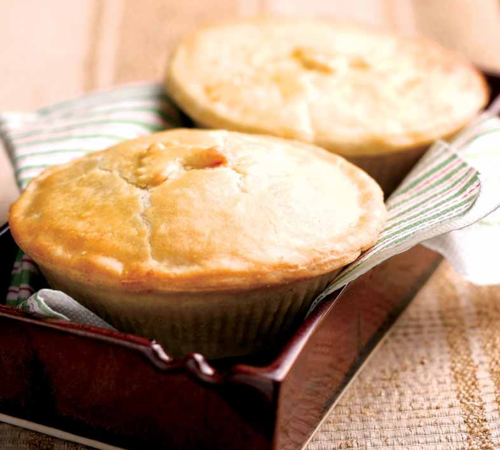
(348, 332)
(111, 393)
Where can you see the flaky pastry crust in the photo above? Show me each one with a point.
(351, 89)
(193, 210)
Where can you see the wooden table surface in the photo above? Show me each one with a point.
(56, 49)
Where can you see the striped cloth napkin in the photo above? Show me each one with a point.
(475, 251)
(443, 192)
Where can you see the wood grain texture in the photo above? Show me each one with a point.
(15, 438)
(151, 27)
(469, 27)
(431, 384)
(44, 47)
(96, 35)
(54, 50)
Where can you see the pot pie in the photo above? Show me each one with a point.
(208, 241)
(376, 98)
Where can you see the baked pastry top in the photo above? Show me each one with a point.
(199, 210)
(348, 88)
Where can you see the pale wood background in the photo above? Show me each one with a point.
(56, 49)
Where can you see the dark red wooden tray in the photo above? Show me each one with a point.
(124, 390)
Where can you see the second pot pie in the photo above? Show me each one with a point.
(376, 98)
(208, 241)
